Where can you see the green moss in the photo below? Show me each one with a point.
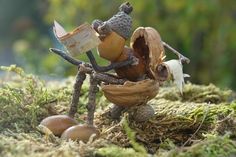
(115, 151)
(26, 100)
(196, 93)
(212, 146)
(178, 123)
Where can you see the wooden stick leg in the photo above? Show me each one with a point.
(80, 77)
(91, 106)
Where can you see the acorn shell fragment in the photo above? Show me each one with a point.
(80, 133)
(57, 124)
(131, 93)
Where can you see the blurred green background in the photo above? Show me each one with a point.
(203, 30)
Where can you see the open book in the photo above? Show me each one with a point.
(80, 40)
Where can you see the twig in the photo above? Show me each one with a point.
(182, 58)
(108, 78)
(91, 106)
(66, 56)
(115, 65)
(80, 77)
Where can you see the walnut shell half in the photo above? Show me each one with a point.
(131, 93)
(146, 41)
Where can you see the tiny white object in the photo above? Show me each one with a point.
(80, 40)
(176, 69)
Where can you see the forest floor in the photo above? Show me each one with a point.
(201, 122)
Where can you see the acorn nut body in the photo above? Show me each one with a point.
(111, 47)
(58, 123)
(80, 133)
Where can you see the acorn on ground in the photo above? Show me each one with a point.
(80, 133)
(57, 124)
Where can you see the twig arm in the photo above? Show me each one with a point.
(98, 68)
(66, 56)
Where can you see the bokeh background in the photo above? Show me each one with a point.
(203, 30)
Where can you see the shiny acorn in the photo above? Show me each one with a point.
(80, 133)
(57, 124)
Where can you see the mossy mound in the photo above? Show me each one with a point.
(201, 122)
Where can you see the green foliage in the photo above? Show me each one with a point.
(205, 31)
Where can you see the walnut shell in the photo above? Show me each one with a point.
(111, 47)
(131, 93)
(146, 41)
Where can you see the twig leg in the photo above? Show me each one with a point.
(91, 106)
(182, 58)
(80, 77)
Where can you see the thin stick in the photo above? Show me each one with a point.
(182, 58)
(66, 56)
(115, 65)
(80, 77)
(108, 78)
(91, 106)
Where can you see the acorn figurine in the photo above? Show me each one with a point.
(140, 71)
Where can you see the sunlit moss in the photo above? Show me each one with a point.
(212, 146)
(178, 123)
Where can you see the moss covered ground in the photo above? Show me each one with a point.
(201, 122)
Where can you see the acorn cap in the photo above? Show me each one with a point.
(141, 113)
(121, 23)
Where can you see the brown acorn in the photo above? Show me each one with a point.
(58, 123)
(111, 47)
(80, 133)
